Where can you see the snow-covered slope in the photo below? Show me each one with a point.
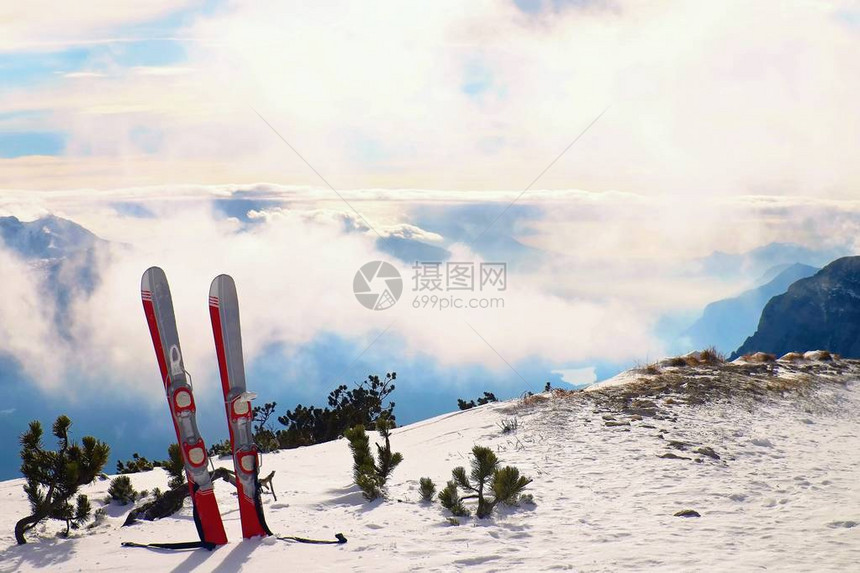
(767, 454)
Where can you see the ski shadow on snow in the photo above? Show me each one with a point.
(196, 558)
(237, 556)
(233, 561)
(351, 497)
(39, 554)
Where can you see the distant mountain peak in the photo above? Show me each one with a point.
(821, 311)
(727, 322)
(48, 237)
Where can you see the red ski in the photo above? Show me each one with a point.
(224, 312)
(158, 306)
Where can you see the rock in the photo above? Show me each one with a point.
(612, 424)
(636, 418)
(678, 445)
(688, 513)
(650, 412)
(608, 417)
(707, 451)
(671, 456)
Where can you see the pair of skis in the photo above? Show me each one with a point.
(224, 314)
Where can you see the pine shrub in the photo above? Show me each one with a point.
(427, 489)
(450, 499)
(264, 435)
(121, 490)
(220, 449)
(486, 477)
(138, 463)
(371, 475)
(175, 466)
(363, 405)
(52, 478)
(485, 399)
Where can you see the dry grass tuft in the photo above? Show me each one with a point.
(822, 355)
(759, 357)
(652, 369)
(791, 357)
(711, 355)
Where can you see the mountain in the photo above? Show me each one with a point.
(64, 258)
(757, 261)
(63, 252)
(612, 466)
(726, 323)
(772, 272)
(818, 312)
(49, 237)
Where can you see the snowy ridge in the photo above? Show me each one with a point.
(767, 453)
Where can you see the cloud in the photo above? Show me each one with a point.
(407, 231)
(294, 271)
(43, 25)
(706, 99)
(86, 75)
(610, 266)
(161, 70)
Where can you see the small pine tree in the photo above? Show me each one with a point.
(219, 449)
(450, 499)
(175, 466)
(486, 476)
(485, 399)
(264, 433)
(53, 477)
(427, 489)
(138, 463)
(371, 476)
(121, 490)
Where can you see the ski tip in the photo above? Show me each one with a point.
(221, 284)
(151, 276)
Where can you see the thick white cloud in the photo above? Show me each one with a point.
(706, 99)
(294, 274)
(616, 266)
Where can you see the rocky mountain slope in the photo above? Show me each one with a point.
(822, 311)
(726, 323)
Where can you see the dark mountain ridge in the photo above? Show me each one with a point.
(818, 312)
(726, 323)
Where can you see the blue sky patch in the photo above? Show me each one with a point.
(31, 143)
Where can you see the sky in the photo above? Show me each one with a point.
(602, 150)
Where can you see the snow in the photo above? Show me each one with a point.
(782, 496)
